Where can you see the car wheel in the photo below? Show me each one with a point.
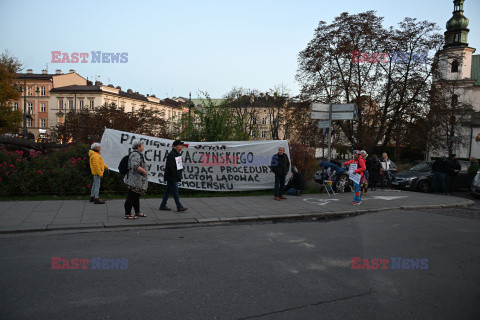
(424, 186)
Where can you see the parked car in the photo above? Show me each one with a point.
(420, 178)
(476, 186)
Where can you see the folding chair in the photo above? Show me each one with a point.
(328, 184)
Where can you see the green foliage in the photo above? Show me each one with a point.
(63, 172)
(213, 123)
(10, 120)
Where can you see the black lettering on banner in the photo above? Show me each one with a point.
(123, 138)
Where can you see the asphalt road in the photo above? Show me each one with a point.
(291, 270)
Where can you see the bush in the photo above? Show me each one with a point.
(303, 157)
(62, 172)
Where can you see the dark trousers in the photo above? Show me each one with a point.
(279, 184)
(439, 178)
(172, 188)
(373, 180)
(133, 200)
(451, 182)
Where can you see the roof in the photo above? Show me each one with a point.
(476, 69)
(93, 88)
(37, 76)
(77, 88)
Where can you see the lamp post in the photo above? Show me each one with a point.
(23, 89)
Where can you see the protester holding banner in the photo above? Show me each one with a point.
(97, 167)
(280, 166)
(359, 165)
(136, 180)
(173, 175)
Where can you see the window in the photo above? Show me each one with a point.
(133, 108)
(454, 100)
(455, 66)
(254, 120)
(60, 120)
(15, 106)
(254, 133)
(81, 104)
(29, 122)
(264, 120)
(60, 104)
(43, 107)
(70, 104)
(29, 107)
(42, 91)
(264, 134)
(91, 104)
(29, 91)
(43, 123)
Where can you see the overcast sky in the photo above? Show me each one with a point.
(177, 47)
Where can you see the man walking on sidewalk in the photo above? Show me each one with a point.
(280, 166)
(439, 170)
(173, 175)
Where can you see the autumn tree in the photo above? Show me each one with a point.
(10, 120)
(356, 60)
(88, 125)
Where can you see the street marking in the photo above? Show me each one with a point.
(320, 202)
(388, 198)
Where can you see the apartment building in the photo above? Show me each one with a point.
(35, 97)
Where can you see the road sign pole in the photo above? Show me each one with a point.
(329, 133)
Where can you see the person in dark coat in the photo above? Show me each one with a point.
(173, 175)
(280, 166)
(453, 169)
(439, 170)
(296, 184)
(373, 167)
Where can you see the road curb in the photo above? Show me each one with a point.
(224, 220)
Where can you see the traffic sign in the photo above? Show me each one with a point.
(342, 116)
(343, 107)
(323, 124)
(319, 115)
(320, 107)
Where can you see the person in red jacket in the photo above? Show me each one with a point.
(360, 162)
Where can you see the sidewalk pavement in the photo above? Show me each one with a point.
(29, 216)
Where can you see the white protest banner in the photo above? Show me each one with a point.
(210, 166)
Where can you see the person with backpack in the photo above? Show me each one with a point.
(136, 180)
(173, 175)
(97, 167)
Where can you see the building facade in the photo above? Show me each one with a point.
(459, 78)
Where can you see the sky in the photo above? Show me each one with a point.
(178, 47)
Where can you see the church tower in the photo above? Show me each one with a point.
(455, 60)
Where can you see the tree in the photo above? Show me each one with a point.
(214, 123)
(346, 62)
(10, 120)
(87, 126)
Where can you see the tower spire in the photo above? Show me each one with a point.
(457, 32)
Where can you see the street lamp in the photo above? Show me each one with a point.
(24, 89)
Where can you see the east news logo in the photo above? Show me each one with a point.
(392, 263)
(93, 263)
